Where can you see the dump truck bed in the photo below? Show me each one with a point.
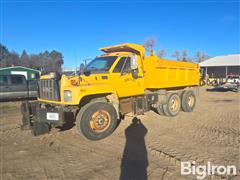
(160, 73)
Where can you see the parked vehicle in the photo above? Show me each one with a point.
(232, 83)
(123, 80)
(14, 87)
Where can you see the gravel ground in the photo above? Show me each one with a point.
(153, 148)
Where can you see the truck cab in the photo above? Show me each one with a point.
(120, 73)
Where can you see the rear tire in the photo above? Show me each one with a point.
(208, 82)
(188, 101)
(96, 120)
(202, 82)
(173, 105)
(237, 89)
(160, 109)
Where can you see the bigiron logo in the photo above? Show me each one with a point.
(201, 171)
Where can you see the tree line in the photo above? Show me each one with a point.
(150, 43)
(52, 61)
(44, 61)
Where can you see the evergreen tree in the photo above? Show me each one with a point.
(25, 59)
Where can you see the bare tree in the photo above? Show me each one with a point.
(57, 60)
(44, 61)
(161, 53)
(13, 59)
(150, 43)
(182, 56)
(34, 62)
(190, 59)
(177, 55)
(200, 56)
(185, 55)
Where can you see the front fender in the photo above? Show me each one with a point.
(91, 90)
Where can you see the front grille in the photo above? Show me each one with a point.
(49, 89)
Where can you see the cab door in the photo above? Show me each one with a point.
(4, 87)
(123, 81)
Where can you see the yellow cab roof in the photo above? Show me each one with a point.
(127, 47)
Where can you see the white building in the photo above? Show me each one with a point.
(221, 66)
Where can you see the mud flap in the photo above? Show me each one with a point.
(40, 128)
(26, 116)
(30, 120)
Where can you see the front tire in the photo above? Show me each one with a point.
(96, 120)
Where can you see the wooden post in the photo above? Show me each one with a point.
(226, 71)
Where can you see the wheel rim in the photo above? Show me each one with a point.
(191, 101)
(100, 121)
(174, 106)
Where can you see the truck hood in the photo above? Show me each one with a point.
(94, 79)
(84, 80)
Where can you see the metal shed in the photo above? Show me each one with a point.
(29, 73)
(221, 66)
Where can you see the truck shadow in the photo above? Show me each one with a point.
(134, 160)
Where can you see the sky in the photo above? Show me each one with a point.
(79, 28)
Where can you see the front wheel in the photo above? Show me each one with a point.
(96, 120)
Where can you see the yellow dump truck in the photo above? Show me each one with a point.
(122, 80)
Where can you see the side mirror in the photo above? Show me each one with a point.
(134, 64)
(81, 69)
(135, 73)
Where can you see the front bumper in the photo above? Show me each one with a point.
(41, 117)
(53, 115)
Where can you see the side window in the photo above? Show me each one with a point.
(127, 67)
(124, 61)
(16, 80)
(3, 80)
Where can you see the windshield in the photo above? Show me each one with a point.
(101, 64)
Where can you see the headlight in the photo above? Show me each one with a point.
(67, 96)
(52, 75)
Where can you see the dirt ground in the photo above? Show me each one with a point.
(151, 146)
